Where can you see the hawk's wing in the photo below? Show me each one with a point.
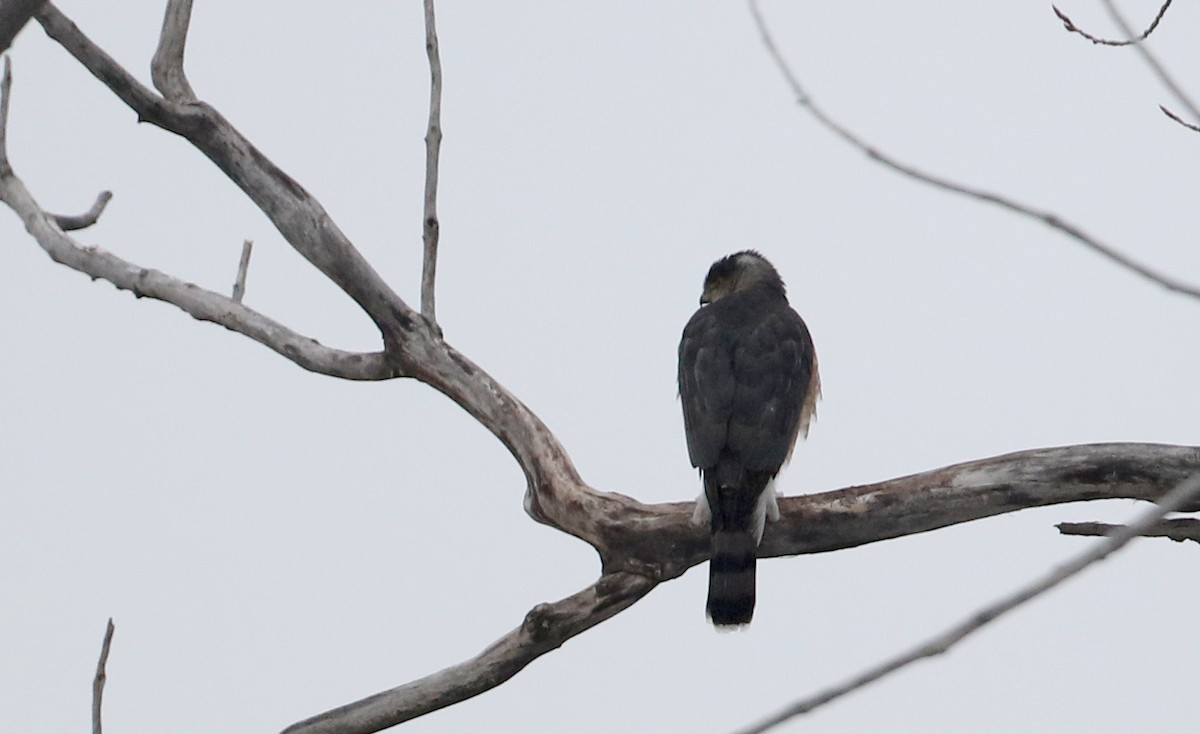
(706, 385)
(748, 382)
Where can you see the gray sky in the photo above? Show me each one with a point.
(273, 543)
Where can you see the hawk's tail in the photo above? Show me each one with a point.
(731, 577)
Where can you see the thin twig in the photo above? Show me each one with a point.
(166, 68)
(239, 285)
(1155, 65)
(1177, 529)
(1046, 217)
(70, 222)
(101, 678)
(1070, 25)
(433, 145)
(1179, 119)
(1178, 497)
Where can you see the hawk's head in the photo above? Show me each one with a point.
(738, 272)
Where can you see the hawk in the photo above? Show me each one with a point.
(749, 386)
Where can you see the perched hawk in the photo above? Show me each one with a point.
(749, 386)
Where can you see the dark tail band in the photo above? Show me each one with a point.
(731, 578)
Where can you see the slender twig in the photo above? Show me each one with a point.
(1155, 65)
(239, 285)
(1177, 529)
(101, 677)
(433, 145)
(1070, 26)
(71, 222)
(166, 68)
(1046, 217)
(1179, 119)
(1178, 497)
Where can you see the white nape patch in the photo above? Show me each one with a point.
(703, 513)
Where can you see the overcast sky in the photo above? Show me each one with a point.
(273, 543)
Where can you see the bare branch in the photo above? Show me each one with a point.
(239, 285)
(1070, 26)
(101, 678)
(1048, 218)
(645, 544)
(71, 222)
(1179, 119)
(166, 68)
(14, 14)
(433, 145)
(1184, 494)
(202, 304)
(412, 346)
(298, 216)
(546, 628)
(1177, 529)
(1155, 65)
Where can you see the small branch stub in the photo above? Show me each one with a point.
(239, 285)
(70, 222)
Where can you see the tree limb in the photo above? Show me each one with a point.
(1048, 218)
(546, 627)
(1183, 495)
(555, 491)
(1177, 529)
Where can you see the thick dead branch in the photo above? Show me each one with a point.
(433, 145)
(1183, 495)
(1048, 218)
(1070, 26)
(101, 678)
(14, 14)
(546, 628)
(1177, 529)
(644, 544)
